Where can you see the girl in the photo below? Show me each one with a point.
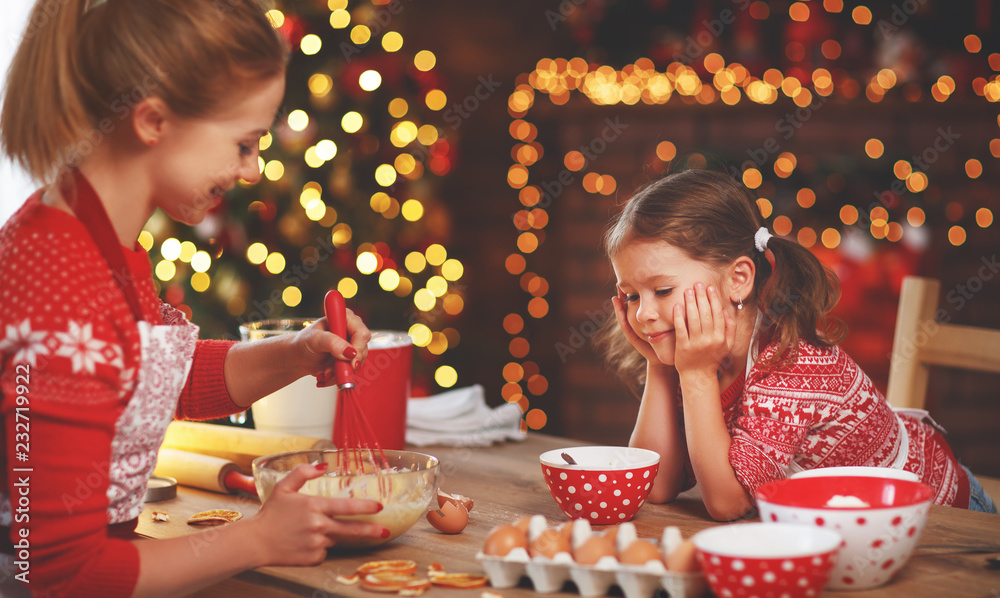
(744, 382)
(124, 107)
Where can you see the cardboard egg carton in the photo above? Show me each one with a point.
(550, 574)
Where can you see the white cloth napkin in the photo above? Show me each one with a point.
(461, 417)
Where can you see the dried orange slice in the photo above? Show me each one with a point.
(415, 587)
(385, 581)
(348, 580)
(402, 567)
(459, 580)
(215, 517)
(435, 569)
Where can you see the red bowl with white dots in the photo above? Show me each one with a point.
(766, 559)
(880, 519)
(607, 485)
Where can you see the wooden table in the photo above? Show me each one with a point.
(506, 483)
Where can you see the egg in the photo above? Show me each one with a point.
(566, 535)
(503, 539)
(523, 523)
(451, 518)
(444, 497)
(639, 552)
(549, 543)
(683, 559)
(593, 549)
(612, 533)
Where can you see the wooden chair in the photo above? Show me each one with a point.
(921, 341)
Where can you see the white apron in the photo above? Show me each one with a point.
(167, 354)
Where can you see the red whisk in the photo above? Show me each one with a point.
(353, 434)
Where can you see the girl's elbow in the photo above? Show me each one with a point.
(659, 496)
(727, 510)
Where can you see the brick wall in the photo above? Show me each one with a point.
(588, 402)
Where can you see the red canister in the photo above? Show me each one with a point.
(382, 387)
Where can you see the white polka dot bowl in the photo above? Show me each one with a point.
(766, 559)
(880, 519)
(607, 484)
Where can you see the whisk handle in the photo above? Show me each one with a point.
(336, 319)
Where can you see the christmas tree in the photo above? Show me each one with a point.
(349, 197)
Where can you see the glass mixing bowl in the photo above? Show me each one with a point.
(404, 490)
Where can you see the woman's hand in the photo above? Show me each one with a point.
(318, 348)
(296, 529)
(641, 345)
(705, 333)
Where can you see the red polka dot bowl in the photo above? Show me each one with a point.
(880, 519)
(766, 559)
(607, 485)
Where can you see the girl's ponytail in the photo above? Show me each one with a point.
(43, 114)
(796, 292)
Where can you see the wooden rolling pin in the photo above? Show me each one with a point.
(239, 445)
(203, 471)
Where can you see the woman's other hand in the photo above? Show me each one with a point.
(296, 529)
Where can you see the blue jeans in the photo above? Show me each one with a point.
(978, 499)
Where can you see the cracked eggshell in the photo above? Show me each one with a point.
(445, 497)
(451, 518)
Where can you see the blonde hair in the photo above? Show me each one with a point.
(713, 218)
(82, 65)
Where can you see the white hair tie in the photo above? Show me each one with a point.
(760, 239)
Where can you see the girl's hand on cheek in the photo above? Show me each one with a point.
(641, 344)
(705, 333)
